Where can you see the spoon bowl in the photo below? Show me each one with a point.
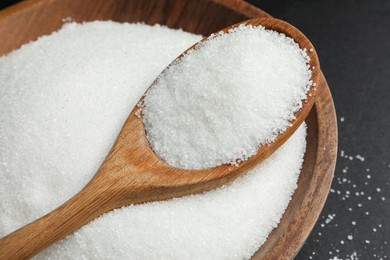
(132, 173)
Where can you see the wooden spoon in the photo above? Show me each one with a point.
(133, 174)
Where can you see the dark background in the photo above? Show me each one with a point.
(352, 38)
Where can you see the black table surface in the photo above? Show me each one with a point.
(352, 38)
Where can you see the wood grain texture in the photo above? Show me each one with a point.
(30, 19)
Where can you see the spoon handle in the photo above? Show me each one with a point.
(76, 212)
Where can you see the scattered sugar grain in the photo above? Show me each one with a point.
(54, 95)
(359, 157)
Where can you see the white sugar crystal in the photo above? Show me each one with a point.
(221, 101)
(63, 100)
(359, 157)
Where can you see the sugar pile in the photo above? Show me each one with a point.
(222, 100)
(63, 100)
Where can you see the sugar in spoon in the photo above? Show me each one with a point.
(132, 173)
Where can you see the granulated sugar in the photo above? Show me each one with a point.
(63, 100)
(352, 214)
(233, 93)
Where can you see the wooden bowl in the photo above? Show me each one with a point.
(30, 19)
